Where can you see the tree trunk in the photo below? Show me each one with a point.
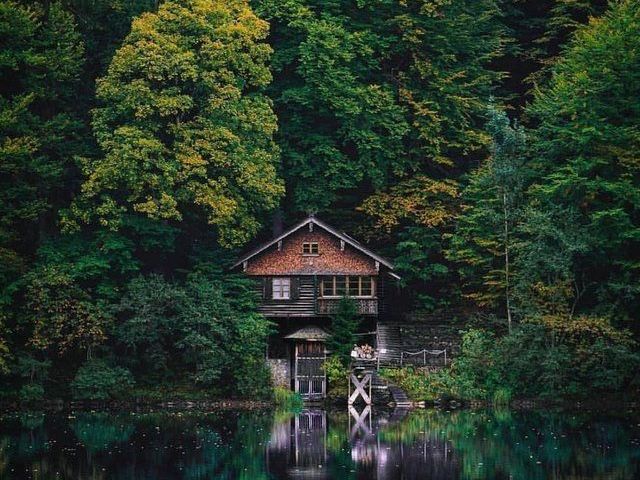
(506, 260)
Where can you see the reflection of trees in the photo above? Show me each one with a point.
(495, 444)
(230, 445)
(98, 431)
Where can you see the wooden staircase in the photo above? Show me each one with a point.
(399, 396)
(389, 344)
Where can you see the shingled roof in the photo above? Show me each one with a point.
(316, 221)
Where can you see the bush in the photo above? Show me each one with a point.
(96, 380)
(286, 399)
(31, 393)
(337, 378)
(551, 356)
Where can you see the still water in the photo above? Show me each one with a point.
(313, 443)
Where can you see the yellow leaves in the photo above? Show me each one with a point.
(583, 329)
(165, 207)
(425, 201)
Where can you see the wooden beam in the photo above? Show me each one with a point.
(360, 388)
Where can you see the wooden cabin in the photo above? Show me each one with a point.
(301, 276)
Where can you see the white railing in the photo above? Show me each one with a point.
(424, 354)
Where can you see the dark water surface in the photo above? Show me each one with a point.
(430, 444)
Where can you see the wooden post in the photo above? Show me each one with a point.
(360, 386)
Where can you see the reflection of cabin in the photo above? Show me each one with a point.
(302, 275)
(298, 446)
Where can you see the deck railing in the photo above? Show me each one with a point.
(329, 306)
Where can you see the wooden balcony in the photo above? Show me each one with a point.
(329, 306)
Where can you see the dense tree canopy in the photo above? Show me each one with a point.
(183, 124)
(488, 147)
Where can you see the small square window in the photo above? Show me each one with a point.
(310, 248)
(281, 288)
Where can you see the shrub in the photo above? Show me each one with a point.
(31, 393)
(286, 399)
(501, 397)
(96, 380)
(551, 356)
(337, 378)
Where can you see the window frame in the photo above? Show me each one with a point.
(280, 290)
(310, 252)
(347, 285)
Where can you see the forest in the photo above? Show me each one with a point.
(489, 148)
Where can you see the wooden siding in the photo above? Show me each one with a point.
(331, 259)
(302, 306)
(305, 300)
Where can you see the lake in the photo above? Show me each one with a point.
(314, 443)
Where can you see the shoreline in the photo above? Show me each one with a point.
(601, 404)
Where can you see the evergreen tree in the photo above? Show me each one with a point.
(183, 125)
(344, 326)
(585, 148)
(492, 210)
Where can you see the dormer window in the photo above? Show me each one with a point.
(310, 248)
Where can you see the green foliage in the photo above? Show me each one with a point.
(97, 380)
(31, 393)
(585, 146)
(183, 125)
(337, 378)
(207, 327)
(493, 206)
(344, 326)
(369, 92)
(548, 357)
(285, 399)
(39, 127)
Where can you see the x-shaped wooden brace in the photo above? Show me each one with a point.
(360, 419)
(360, 391)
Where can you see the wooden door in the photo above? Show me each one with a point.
(310, 378)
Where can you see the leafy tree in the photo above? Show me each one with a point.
(585, 148)
(39, 126)
(539, 30)
(97, 380)
(368, 92)
(493, 204)
(183, 125)
(344, 325)
(208, 326)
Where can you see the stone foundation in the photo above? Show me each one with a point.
(280, 372)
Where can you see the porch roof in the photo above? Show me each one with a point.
(310, 332)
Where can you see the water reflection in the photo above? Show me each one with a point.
(360, 443)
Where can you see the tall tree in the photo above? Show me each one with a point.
(585, 148)
(539, 29)
(368, 92)
(40, 131)
(492, 211)
(184, 126)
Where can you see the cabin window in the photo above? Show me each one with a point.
(310, 248)
(352, 286)
(281, 288)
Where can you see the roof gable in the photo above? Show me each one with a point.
(315, 221)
